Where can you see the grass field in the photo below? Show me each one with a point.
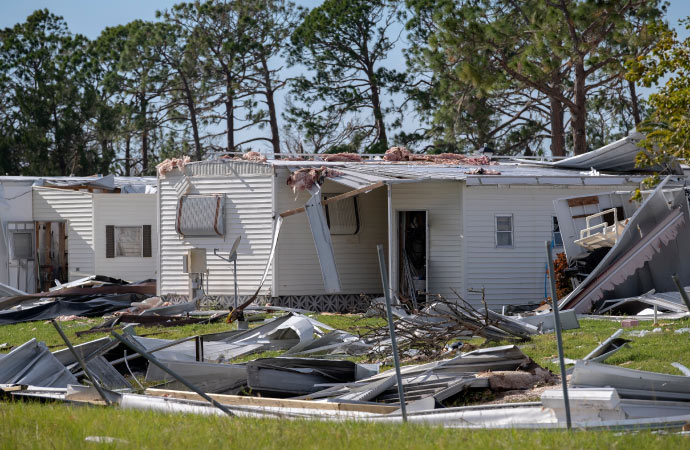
(31, 425)
(34, 425)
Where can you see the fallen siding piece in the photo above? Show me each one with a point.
(297, 376)
(664, 301)
(631, 383)
(32, 363)
(335, 342)
(275, 402)
(209, 377)
(546, 321)
(107, 375)
(607, 348)
(322, 240)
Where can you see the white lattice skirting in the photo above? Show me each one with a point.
(336, 303)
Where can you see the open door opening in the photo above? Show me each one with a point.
(51, 254)
(413, 238)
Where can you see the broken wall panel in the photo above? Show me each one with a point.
(322, 240)
(651, 248)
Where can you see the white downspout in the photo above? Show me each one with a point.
(391, 279)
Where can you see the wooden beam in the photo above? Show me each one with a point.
(582, 201)
(239, 400)
(348, 194)
(62, 259)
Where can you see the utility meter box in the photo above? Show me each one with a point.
(196, 260)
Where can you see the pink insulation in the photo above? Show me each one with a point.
(170, 164)
(304, 179)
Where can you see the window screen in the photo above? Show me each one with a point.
(128, 241)
(504, 231)
(22, 247)
(343, 216)
(200, 215)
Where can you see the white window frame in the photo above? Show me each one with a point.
(512, 231)
(141, 240)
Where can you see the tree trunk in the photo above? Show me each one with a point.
(557, 128)
(376, 104)
(634, 104)
(144, 138)
(273, 117)
(230, 112)
(128, 156)
(579, 111)
(193, 119)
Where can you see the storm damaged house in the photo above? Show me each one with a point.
(59, 229)
(453, 228)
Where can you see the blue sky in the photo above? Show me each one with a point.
(90, 17)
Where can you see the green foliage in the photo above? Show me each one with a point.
(668, 126)
(343, 43)
(48, 100)
(511, 65)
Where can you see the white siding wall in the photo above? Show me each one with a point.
(76, 208)
(443, 200)
(248, 213)
(297, 266)
(125, 210)
(511, 276)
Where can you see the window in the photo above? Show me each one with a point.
(504, 230)
(201, 215)
(343, 216)
(22, 246)
(130, 241)
(556, 233)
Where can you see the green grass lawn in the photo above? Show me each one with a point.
(34, 425)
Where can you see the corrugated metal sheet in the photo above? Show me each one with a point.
(125, 210)
(248, 212)
(516, 174)
(617, 156)
(223, 167)
(77, 209)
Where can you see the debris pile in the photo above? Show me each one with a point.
(92, 296)
(401, 154)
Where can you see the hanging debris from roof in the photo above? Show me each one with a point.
(173, 163)
(305, 178)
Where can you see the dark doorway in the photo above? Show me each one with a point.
(51, 254)
(412, 254)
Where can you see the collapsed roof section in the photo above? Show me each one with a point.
(648, 251)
